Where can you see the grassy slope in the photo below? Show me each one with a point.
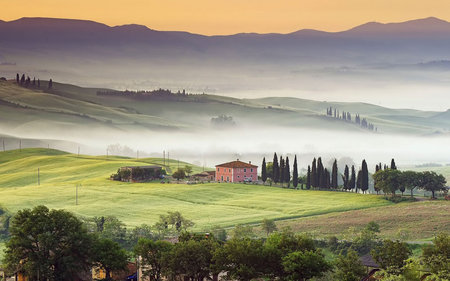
(206, 204)
(76, 105)
(421, 220)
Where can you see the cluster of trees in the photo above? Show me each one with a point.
(280, 171)
(28, 83)
(389, 180)
(159, 94)
(139, 174)
(347, 116)
(223, 121)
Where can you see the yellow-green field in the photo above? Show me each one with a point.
(136, 203)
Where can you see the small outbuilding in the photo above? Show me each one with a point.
(204, 176)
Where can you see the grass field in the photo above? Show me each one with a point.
(206, 204)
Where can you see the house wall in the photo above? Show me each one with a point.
(240, 174)
(224, 174)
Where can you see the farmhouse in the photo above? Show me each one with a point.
(137, 173)
(236, 171)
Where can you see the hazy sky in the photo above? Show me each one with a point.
(230, 16)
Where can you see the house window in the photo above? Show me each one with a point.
(228, 178)
(251, 170)
(222, 178)
(218, 169)
(229, 170)
(238, 176)
(245, 170)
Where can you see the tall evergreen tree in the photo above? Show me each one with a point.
(34, 82)
(314, 173)
(308, 178)
(39, 83)
(365, 177)
(295, 173)
(346, 178)
(320, 171)
(359, 180)
(281, 170)
(375, 186)
(264, 171)
(334, 175)
(17, 78)
(22, 79)
(275, 168)
(393, 166)
(50, 84)
(352, 182)
(287, 172)
(325, 179)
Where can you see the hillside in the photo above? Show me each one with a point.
(28, 110)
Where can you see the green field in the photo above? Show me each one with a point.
(206, 204)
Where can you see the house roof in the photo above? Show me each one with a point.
(367, 260)
(202, 174)
(237, 164)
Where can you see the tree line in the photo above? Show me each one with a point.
(347, 116)
(28, 83)
(158, 94)
(387, 178)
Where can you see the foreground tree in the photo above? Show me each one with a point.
(152, 255)
(391, 256)
(109, 256)
(349, 267)
(437, 257)
(268, 226)
(303, 265)
(47, 245)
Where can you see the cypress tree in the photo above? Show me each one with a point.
(287, 172)
(275, 168)
(393, 166)
(308, 178)
(39, 83)
(365, 177)
(320, 171)
(34, 82)
(352, 181)
(325, 179)
(314, 174)
(281, 170)
(50, 84)
(377, 168)
(17, 78)
(22, 79)
(264, 171)
(334, 175)
(359, 180)
(295, 173)
(346, 178)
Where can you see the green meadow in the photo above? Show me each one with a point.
(207, 204)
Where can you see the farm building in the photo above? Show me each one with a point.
(236, 171)
(137, 173)
(204, 176)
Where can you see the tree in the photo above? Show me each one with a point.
(308, 178)
(359, 180)
(22, 79)
(411, 180)
(179, 174)
(313, 173)
(173, 222)
(391, 255)
(377, 168)
(334, 175)
(109, 256)
(50, 84)
(264, 171)
(47, 244)
(352, 182)
(349, 267)
(276, 169)
(17, 78)
(287, 172)
(303, 265)
(241, 231)
(295, 173)
(281, 171)
(365, 177)
(393, 166)
(320, 173)
(433, 182)
(437, 256)
(39, 83)
(188, 169)
(387, 180)
(346, 178)
(268, 226)
(325, 179)
(241, 259)
(152, 254)
(115, 230)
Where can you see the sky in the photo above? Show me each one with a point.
(217, 17)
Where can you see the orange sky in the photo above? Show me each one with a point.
(231, 16)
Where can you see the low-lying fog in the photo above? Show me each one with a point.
(206, 147)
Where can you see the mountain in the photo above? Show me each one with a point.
(307, 61)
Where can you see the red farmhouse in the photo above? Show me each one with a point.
(236, 171)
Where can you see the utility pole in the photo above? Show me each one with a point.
(39, 178)
(164, 158)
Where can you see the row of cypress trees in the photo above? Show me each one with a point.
(27, 82)
(281, 171)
